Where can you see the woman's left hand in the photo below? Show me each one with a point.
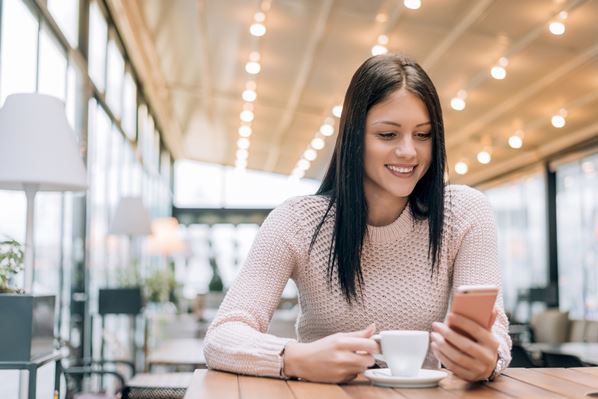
(470, 359)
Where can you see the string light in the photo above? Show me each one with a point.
(498, 71)
(461, 168)
(379, 49)
(412, 4)
(247, 115)
(253, 67)
(243, 143)
(318, 143)
(559, 120)
(337, 110)
(310, 154)
(242, 154)
(327, 129)
(458, 102)
(484, 157)
(249, 95)
(257, 29)
(557, 27)
(245, 131)
(516, 140)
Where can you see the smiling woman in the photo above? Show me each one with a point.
(382, 245)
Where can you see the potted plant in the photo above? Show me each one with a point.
(126, 299)
(27, 320)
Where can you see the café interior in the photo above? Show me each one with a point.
(143, 142)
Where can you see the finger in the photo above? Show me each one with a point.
(449, 364)
(365, 333)
(354, 362)
(455, 355)
(493, 320)
(459, 341)
(358, 344)
(470, 327)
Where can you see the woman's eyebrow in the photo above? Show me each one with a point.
(398, 124)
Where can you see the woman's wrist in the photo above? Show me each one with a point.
(291, 359)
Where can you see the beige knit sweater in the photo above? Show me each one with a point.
(399, 292)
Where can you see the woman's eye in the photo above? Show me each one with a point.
(423, 135)
(386, 136)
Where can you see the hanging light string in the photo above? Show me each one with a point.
(253, 67)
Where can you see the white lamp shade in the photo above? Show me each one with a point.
(165, 238)
(131, 218)
(37, 145)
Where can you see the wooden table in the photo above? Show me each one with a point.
(178, 352)
(586, 351)
(514, 383)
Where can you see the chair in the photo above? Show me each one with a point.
(521, 358)
(561, 360)
(577, 332)
(591, 333)
(550, 326)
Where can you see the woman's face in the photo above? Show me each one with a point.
(397, 147)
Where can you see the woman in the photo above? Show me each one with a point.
(382, 245)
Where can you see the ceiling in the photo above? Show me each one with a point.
(312, 48)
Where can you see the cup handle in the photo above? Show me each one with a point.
(378, 340)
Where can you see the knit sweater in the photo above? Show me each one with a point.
(399, 291)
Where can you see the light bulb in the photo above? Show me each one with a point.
(458, 104)
(515, 141)
(245, 131)
(461, 168)
(243, 143)
(412, 4)
(303, 164)
(558, 121)
(249, 95)
(379, 49)
(557, 28)
(326, 129)
(247, 115)
(257, 29)
(318, 143)
(498, 72)
(484, 157)
(310, 154)
(241, 163)
(253, 67)
(383, 40)
(337, 110)
(259, 17)
(242, 154)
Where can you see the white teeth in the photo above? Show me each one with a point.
(400, 170)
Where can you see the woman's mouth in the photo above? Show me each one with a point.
(401, 171)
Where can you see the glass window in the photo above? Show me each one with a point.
(577, 232)
(98, 35)
(520, 211)
(19, 57)
(52, 66)
(129, 105)
(66, 15)
(116, 70)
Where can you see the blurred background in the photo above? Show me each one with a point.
(213, 112)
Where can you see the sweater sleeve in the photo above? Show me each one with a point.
(236, 340)
(476, 261)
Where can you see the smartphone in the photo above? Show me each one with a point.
(476, 302)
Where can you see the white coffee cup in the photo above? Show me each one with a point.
(404, 351)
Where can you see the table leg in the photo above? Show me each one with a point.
(32, 381)
(57, 372)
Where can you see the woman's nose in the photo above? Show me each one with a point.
(405, 149)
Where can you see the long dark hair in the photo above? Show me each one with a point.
(375, 80)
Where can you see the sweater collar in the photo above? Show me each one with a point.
(400, 227)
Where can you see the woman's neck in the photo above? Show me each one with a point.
(382, 211)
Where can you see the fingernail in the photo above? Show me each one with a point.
(436, 325)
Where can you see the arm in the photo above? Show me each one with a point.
(236, 340)
(476, 262)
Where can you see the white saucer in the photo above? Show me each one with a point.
(425, 378)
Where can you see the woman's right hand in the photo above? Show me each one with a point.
(336, 358)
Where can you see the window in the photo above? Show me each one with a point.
(577, 232)
(116, 70)
(52, 62)
(98, 34)
(19, 57)
(520, 211)
(66, 15)
(129, 105)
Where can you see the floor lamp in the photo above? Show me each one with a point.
(38, 152)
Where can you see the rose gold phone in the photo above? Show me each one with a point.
(475, 302)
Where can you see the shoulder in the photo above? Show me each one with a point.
(302, 210)
(466, 203)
